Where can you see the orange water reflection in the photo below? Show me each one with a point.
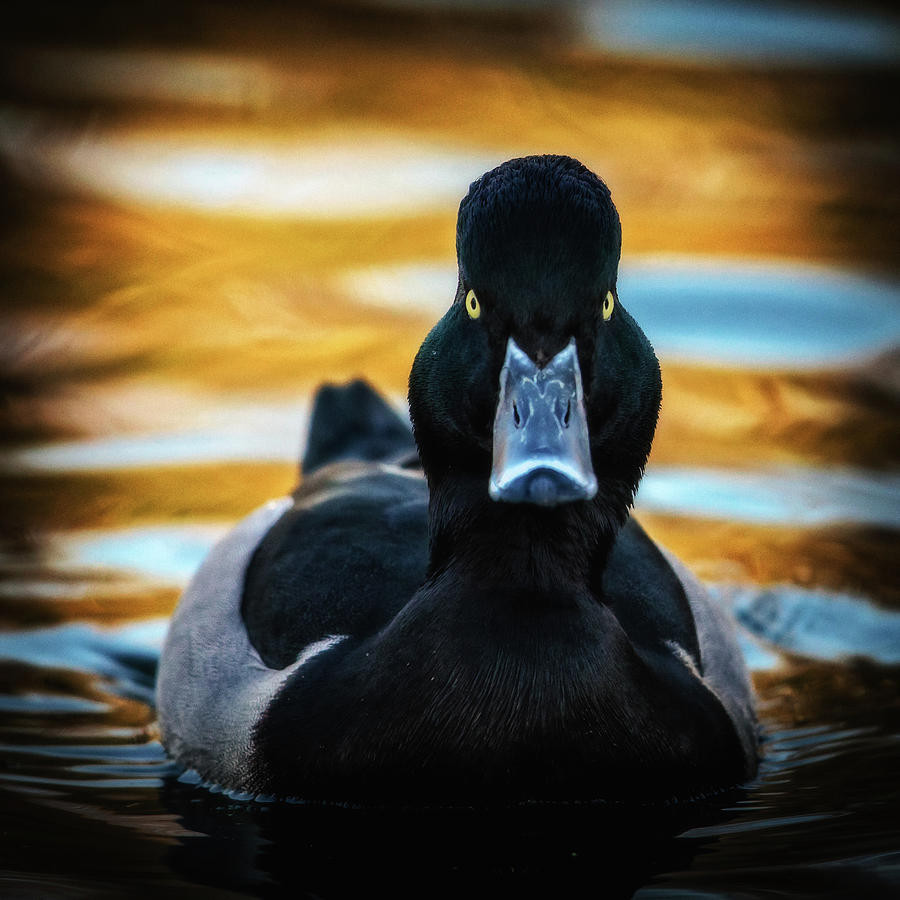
(191, 224)
(211, 209)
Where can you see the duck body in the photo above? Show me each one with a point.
(492, 627)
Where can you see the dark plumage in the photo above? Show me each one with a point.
(420, 642)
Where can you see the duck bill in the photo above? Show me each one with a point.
(541, 445)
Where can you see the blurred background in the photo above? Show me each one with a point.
(211, 208)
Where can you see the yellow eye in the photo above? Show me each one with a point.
(608, 304)
(473, 307)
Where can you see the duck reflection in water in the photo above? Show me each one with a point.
(314, 850)
(493, 628)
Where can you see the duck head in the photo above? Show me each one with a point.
(537, 392)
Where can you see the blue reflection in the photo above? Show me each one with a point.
(168, 552)
(258, 432)
(125, 657)
(818, 624)
(42, 704)
(713, 31)
(760, 314)
(786, 495)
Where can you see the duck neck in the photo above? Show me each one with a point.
(556, 551)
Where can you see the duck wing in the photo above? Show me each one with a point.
(342, 560)
(352, 547)
(673, 622)
(212, 686)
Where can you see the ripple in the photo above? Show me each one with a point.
(150, 781)
(818, 624)
(759, 314)
(149, 753)
(127, 655)
(203, 79)
(261, 432)
(327, 178)
(174, 448)
(761, 824)
(171, 553)
(41, 704)
(739, 31)
(787, 495)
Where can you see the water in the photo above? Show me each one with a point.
(199, 232)
(323, 179)
(738, 31)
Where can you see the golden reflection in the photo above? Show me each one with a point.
(190, 225)
(850, 558)
(146, 76)
(845, 558)
(100, 705)
(106, 499)
(208, 211)
(80, 596)
(718, 416)
(313, 176)
(801, 692)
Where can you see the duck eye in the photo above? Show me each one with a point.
(473, 307)
(608, 304)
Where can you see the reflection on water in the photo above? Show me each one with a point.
(819, 625)
(169, 552)
(786, 496)
(320, 179)
(95, 763)
(762, 315)
(200, 232)
(740, 31)
(224, 431)
(128, 75)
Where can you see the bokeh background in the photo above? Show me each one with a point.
(211, 208)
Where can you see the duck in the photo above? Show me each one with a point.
(466, 611)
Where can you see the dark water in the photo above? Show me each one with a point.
(205, 220)
(91, 804)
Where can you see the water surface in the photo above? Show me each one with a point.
(205, 222)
